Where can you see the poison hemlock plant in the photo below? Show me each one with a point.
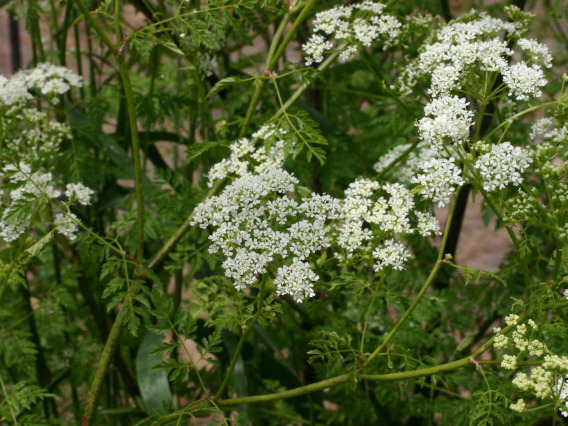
(193, 228)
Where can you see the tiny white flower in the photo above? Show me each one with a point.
(79, 192)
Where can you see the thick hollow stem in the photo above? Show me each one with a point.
(108, 352)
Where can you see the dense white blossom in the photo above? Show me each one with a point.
(315, 48)
(51, 80)
(446, 117)
(354, 25)
(79, 192)
(296, 280)
(427, 224)
(392, 215)
(13, 92)
(439, 180)
(390, 254)
(524, 82)
(244, 149)
(12, 230)
(258, 224)
(475, 44)
(537, 51)
(502, 166)
(445, 78)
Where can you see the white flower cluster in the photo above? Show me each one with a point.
(28, 189)
(50, 80)
(538, 52)
(28, 133)
(502, 166)
(13, 92)
(445, 117)
(524, 82)
(363, 218)
(295, 280)
(355, 25)
(392, 254)
(80, 193)
(270, 155)
(439, 180)
(474, 43)
(427, 224)
(258, 225)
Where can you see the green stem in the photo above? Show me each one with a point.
(509, 120)
(7, 399)
(108, 352)
(344, 378)
(301, 89)
(98, 29)
(35, 33)
(375, 291)
(424, 288)
(272, 59)
(247, 330)
(135, 139)
(381, 79)
(303, 14)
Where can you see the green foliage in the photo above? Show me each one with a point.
(190, 337)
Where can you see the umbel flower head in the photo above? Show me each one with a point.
(31, 191)
(473, 44)
(262, 227)
(360, 24)
(50, 80)
(502, 166)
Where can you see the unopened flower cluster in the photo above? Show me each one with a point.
(545, 381)
(350, 26)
